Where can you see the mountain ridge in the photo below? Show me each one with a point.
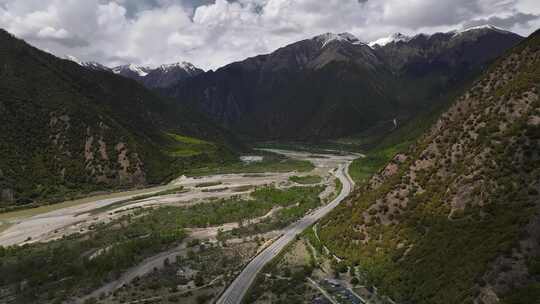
(152, 77)
(328, 74)
(158, 77)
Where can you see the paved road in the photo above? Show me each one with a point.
(144, 268)
(238, 288)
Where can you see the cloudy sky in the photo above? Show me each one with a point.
(211, 33)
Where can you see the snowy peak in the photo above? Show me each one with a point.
(88, 64)
(397, 37)
(160, 76)
(184, 66)
(152, 77)
(95, 66)
(485, 27)
(328, 38)
(74, 59)
(144, 71)
(141, 71)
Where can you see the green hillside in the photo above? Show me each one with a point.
(454, 219)
(68, 130)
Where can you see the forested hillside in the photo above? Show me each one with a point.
(456, 218)
(67, 129)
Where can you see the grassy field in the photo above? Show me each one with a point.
(327, 147)
(185, 146)
(306, 180)
(295, 202)
(271, 163)
(236, 209)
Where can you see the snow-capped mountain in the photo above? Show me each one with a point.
(185, 66)
(475, 30)
(333, 85)
(74, 59)
(328, 38)
(95, 66)
(485, 27)
(162, 76)
(132, 70)
(89, 64)
(471, 46)
(397, 37)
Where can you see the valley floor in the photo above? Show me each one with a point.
(55, 221)
(199, 266)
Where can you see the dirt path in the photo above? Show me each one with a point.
(147, 266)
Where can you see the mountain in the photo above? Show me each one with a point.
(132, 71)
(163, 76)
(394, 38)
(89, 64)
(69, 129)
(170, 74)
(456, 218)
(334, 85)
(455, 51)
(315, 87)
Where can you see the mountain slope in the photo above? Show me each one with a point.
(456, 219)
(163, 76)
(315, 87)
(333, 85)
(426, 65)
(70, 129)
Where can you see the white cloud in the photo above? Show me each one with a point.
(50, 32)
(211, 33)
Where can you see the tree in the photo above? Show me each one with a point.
(204, 298)
(199, 280)
(90, 301)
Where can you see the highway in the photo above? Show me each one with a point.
(238, 288)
